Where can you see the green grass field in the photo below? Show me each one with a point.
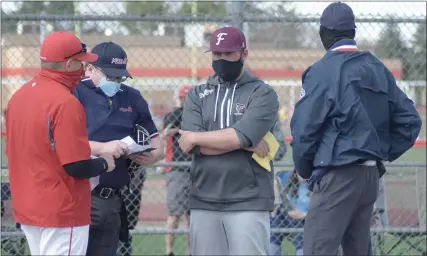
(155, 244)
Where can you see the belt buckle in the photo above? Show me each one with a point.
(108, 192)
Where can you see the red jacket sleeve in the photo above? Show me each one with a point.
(69, 132)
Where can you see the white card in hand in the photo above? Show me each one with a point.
(134, 147)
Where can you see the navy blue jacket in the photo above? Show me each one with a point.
(113, 119)
(350, 110)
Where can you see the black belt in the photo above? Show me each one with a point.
(381, 168)
(106, 192)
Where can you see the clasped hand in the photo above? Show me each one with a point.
(187, 141)
(261, 149)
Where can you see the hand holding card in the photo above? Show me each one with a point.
(134, 148)
(147, 150)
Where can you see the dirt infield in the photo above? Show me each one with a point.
(401, 200)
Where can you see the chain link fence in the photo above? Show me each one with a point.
(165, 44)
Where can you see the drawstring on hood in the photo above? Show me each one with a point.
(216, 100)
(227, 101)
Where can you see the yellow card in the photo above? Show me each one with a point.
(264, 162)
(273, 146)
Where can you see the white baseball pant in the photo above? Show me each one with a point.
(57, 241)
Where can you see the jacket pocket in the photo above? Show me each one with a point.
(225, 178)
(322, 184)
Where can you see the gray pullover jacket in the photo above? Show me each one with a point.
(232, 181)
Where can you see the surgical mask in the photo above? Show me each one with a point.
(228, 71)
(110, 88)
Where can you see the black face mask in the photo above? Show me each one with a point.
(228, 71)
(330, 37)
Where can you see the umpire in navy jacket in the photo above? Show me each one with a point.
(112, 111)
(350, 118)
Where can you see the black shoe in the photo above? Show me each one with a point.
(171, 254)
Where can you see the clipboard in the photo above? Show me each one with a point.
(135, 148)
(140, 152)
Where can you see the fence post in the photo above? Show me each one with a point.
(237, 13)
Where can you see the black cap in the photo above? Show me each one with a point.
(112, 59)
(338, 16)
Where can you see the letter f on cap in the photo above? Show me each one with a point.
(220, 37)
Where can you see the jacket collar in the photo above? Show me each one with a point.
(345, 45)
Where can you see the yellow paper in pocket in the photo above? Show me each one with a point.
(264, 162)
(273, 146)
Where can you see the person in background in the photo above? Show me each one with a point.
(284, 215)
(291, 208)
(279, 135)
(177, 178)
(284, 118)
(113, 110)
(49, 177)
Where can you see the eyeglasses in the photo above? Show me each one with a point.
(120, 79)
(117, 79)
(83, 50)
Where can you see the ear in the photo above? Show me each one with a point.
(89, 69)
(245, 54)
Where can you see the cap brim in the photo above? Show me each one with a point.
(87, 57)
(115, 72)
(225, 50)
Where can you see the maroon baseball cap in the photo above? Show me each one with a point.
(227, 39)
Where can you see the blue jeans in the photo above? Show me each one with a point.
(283, 220)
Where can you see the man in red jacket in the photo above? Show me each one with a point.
(49, 154)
